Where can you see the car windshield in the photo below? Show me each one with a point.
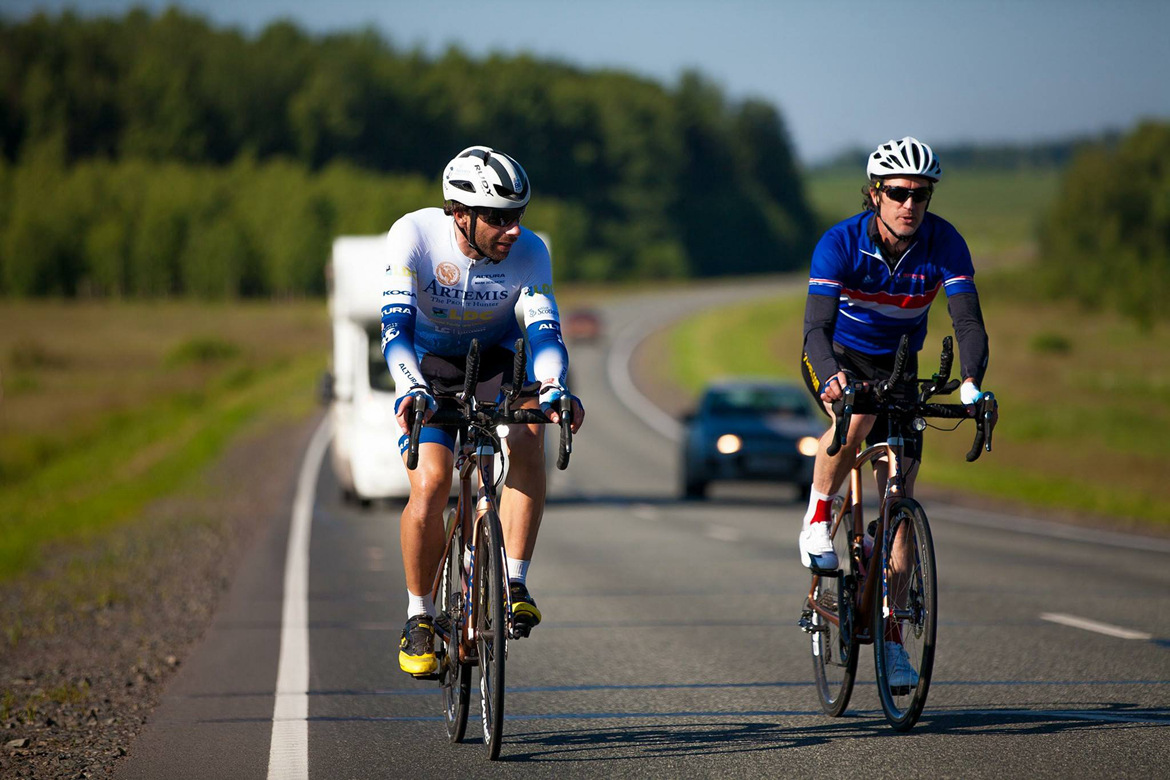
(781, 401)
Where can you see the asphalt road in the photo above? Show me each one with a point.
(669, 646)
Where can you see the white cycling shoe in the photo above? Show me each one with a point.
(898, 669)
(816, 547)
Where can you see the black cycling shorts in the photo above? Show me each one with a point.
(446, 376)
(863, 366)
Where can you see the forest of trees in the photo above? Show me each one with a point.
(154, 154)
(1106, 239)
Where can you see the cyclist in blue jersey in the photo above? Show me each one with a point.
(470, 271)
(872, 280)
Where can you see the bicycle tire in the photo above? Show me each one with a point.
(491, 630)
(914, 596)
(834, 645)
(454, 674)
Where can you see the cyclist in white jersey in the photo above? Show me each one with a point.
(468, 271)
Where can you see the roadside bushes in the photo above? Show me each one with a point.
(146, 229)
(1106, 240)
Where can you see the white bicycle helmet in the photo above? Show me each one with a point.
(908, 157)
(481, 177)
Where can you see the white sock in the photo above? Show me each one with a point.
(814, 498)
(517, 570)
(419, 605)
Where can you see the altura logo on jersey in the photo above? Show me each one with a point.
(388, 311)
(439, 291)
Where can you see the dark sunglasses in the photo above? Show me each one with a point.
(899, 194)
(500, 218)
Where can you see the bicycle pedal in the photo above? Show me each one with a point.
(521, 630)
(427, 676)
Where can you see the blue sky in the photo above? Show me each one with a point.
(843, 73)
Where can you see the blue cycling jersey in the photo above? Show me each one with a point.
(880, 301)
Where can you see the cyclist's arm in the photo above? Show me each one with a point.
(400, 311)
(820, 318)
(550, 358)
(963, 305)
(542, 322)
(967, 317)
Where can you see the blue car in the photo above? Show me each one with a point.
(753, 431)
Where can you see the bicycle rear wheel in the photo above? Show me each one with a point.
(834, 646)
(490, 629)
(454, 674)
(905, 615)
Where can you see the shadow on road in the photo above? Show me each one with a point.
(703, 739)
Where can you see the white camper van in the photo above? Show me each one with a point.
(365, 435)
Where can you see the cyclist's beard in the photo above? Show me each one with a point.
(896, 234)
(470, 236)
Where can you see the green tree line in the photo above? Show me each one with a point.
(1106, 239)
(159, 155)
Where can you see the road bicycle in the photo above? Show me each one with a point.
(885, 592)
(471, 594)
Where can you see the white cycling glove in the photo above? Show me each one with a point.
(551, 393)
(969, 393)
(420, 390)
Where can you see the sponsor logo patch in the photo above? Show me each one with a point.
(447, 273)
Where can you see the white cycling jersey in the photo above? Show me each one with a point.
(436, 300)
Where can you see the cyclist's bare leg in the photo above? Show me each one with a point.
(421, 528)
(523, 494)
(829, 473)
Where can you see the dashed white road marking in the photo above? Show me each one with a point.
(288, 754)
(724, 533)
(1092, 625)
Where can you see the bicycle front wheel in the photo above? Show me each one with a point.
(454, 673)
(905, 615)
(834, 646)
(490, 629)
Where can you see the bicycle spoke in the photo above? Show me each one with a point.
(905, 615)
(834, 648)
(490, 632)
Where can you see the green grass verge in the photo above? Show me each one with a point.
(144, 455)
(1074, 432)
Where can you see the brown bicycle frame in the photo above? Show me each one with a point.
(466, 515)
(895, 488)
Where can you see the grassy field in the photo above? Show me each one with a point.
(1082, 394)
(1075, 427)
(106, 407)
(996, 211)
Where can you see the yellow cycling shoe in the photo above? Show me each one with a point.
(416, 651)
(525, 614)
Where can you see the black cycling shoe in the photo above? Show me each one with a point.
(416, 650)
(525, 615)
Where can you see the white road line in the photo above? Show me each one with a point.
(724, 533)
(1092, 625)
(618, 368)
(288, 755)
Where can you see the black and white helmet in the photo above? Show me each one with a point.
(481, 177)
(908, 157)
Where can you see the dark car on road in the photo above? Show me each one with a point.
(751, 430)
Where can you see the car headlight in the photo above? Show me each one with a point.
(728, 443)
(808, 445)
